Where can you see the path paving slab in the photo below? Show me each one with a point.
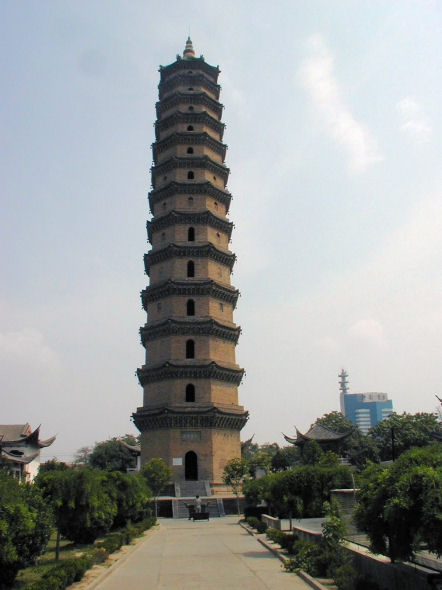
(210, 555)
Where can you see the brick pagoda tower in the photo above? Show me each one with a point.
(190, 415)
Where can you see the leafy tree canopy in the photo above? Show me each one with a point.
(409, 430)
(401, 506)
(25, 526)
(83, 504)
(234, 474)
(111, 455)
(157, 474)
(336, 422)
(286, 458)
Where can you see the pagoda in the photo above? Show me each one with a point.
(190, 415)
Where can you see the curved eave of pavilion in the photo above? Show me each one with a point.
(205, 288)
(194, 188)
(24, 457)
(175, 251)
(188, 218)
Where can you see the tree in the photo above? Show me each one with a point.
(157, 474)
(53, 465)
(401, 506)
(400, 432)
(357, 447)
(234, 474)
(25, 526)
(131, 495)
(111, 455)
(286, 458)
(81, 457)
(311, 453)
(336, 421)
(83, 504)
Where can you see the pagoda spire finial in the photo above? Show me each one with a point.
(188, 52)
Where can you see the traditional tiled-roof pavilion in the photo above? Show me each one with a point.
(190, 415)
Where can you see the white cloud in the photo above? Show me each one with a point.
(413, 120)
(27, 347)
(368, 330)
(318, 77)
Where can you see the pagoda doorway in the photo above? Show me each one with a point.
(191, 466)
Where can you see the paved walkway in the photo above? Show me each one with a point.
(214, 555)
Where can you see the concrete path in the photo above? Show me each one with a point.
(214, 555)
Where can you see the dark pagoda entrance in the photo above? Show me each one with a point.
(191, 466)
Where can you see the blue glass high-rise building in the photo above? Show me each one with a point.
(365, 410)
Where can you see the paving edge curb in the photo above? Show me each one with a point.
(278, 553)
(114, 566)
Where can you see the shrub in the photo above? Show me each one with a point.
(64, 574)
(25, 526)
(306, 556)
(255, 523)
(286, 540)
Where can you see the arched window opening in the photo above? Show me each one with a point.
(164, 205)
(163, 236)
(215, 204)
(190, 307)
(191, 466)
(218, 237)
(190, 268)
(189, 127)
(214, 178)
(190, 392)
(190, 349)
(190, 150)
(190, 201)
(221, 307)
(190, 175)
(191, 234)
(190, 89)
(191, 108)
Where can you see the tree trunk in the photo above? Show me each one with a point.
(57, 545)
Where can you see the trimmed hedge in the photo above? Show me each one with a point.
(72, 570)
(286, 540)
(64, 574)
(255, 523)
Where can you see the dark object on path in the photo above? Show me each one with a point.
(201, 516)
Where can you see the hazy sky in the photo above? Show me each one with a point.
(333, 126)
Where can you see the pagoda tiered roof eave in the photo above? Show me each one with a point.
(174, 217)
(191, 418)
(189, 327)
(185, 138)
(189, 288)
(183, 79)
(191, 98)
(170, 370)
(187, 118)
(189, 163)
(201, 251)
(187, 64)
(197, 188)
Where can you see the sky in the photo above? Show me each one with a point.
(333, 126)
